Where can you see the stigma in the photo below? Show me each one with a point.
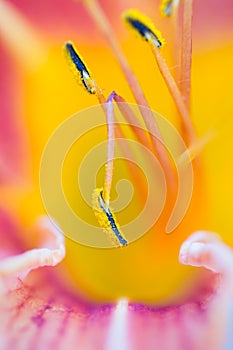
(107, 219)
(142, 25)
(79, 68)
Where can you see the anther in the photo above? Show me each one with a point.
(144, 27)
(79, 68)
(166, 7)
(106, 218)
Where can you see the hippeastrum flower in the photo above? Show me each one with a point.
(151, 273)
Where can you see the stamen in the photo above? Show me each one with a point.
(79, 68)
(101, 201)
(101, 197)
(176, 34)
(166, 8)
(189, 133)
(143, 26)
(170, 8)
(172, 86)
(106, 218)
(186, 52)
(102, 22)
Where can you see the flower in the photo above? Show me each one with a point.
(47, 302)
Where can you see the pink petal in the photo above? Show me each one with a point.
(13, 143)
(46, 315)
(70, 15)
(212, 15)
(10, 238)
(212, 22)
(50, 253)
(201, 323)
(21, 51)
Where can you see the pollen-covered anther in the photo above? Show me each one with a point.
(79, 68)
(166, 8)
(107, 219)
(143, 26)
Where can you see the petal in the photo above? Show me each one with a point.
(200, 323)
(11, 237)
(49, 311)
(13, 144)
(51, 252)
(21, 51)
(46, 316)
(71, 16)
(206, 249)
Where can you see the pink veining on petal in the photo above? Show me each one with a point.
(50, 316)
(199, 323)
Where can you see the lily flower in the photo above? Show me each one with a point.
(141, 263)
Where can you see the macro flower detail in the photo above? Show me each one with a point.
(166, 7)
(126, 257)
(78, 66)
(143, 27)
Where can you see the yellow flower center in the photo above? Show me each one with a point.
(147, 269)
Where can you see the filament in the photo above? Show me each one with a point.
(189, 133)
(101, 197)
(167, 76)
(102, 22)
(186, 52)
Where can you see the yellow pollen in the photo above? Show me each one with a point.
(79, 68)
(166, 8)
(107, 219)
(143, 27)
